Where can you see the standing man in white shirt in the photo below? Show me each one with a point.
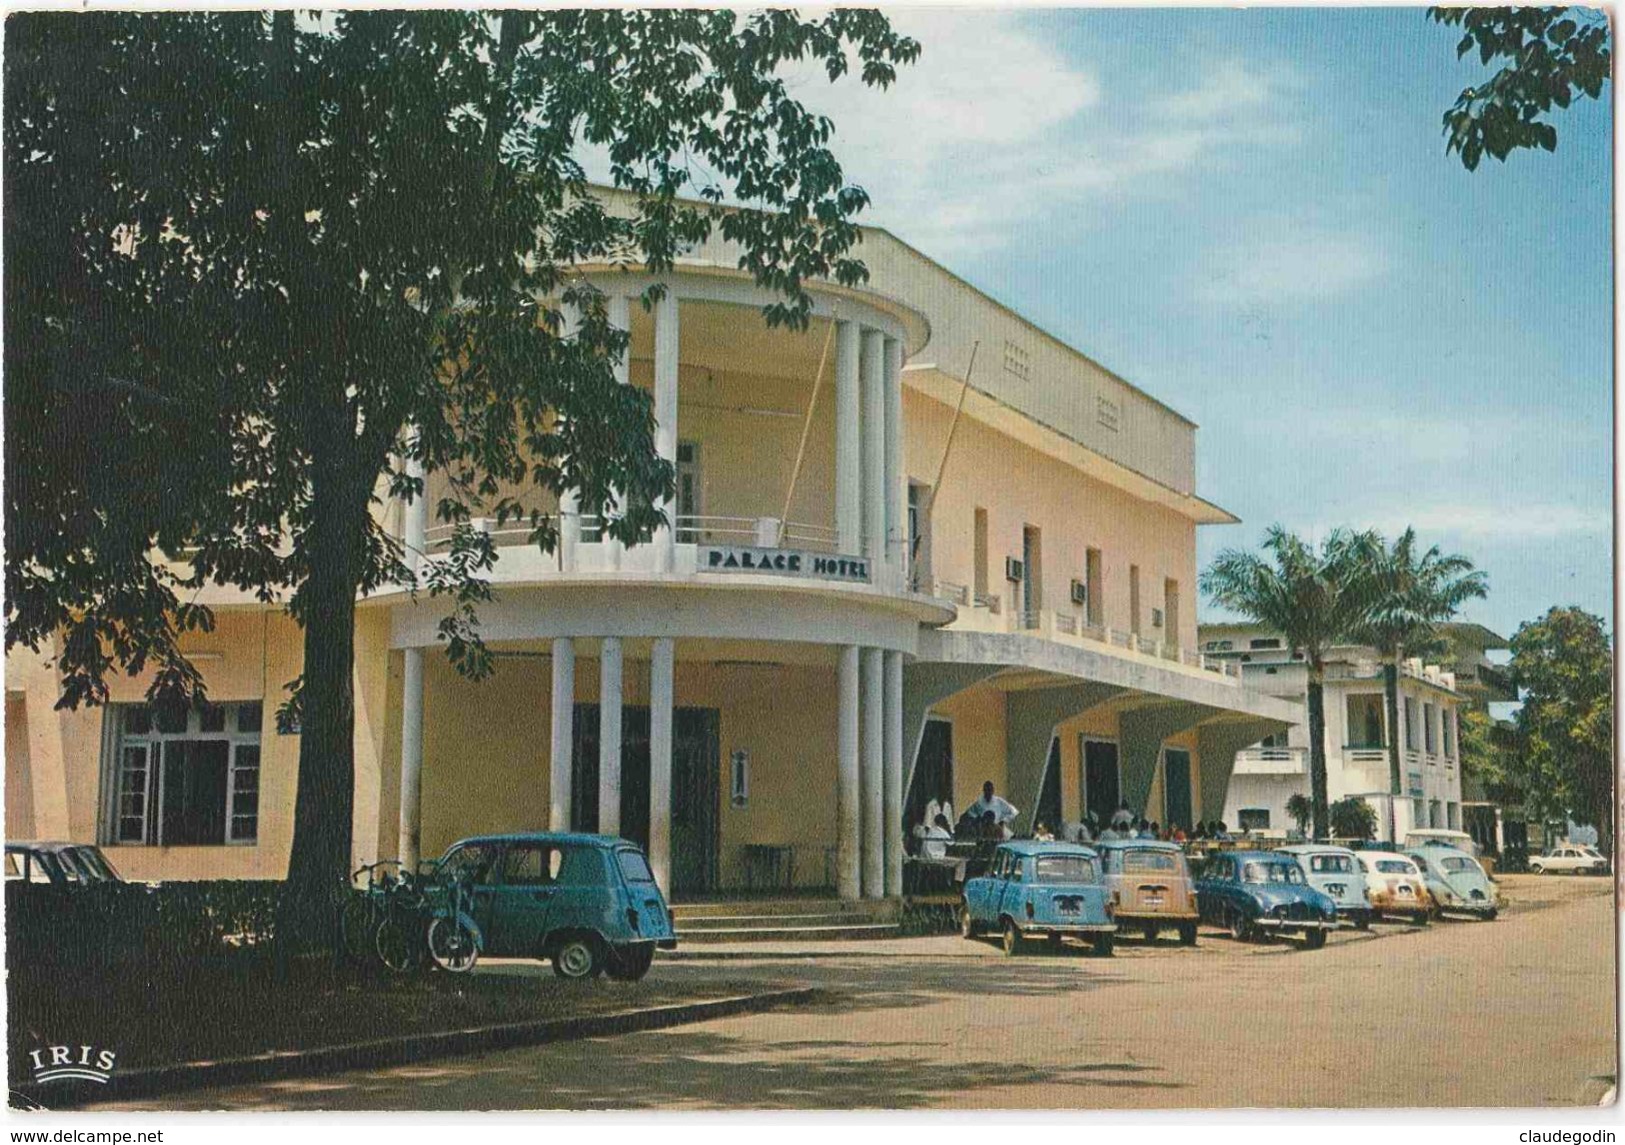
(1003, 812)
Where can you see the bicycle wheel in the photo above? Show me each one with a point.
(452, 945)
(399, 942)
(358, 927)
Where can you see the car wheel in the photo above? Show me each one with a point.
(631, 962)
(1104, 946)
(1240, 929)
(1314, 939)
(452, 945)
(1537, 868)
(1054, 941)
(967, 925)
(1420, 919)
(1494, 913)
(1187, 934)
(1362, 921)
(578, 956)
(1012, 938)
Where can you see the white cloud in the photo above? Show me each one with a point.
(994, 125)
(1289, 265)
(1512, 521)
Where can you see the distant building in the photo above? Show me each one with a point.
(1431, 698)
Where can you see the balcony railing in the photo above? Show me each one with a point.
(1271, 761)
(691, 529)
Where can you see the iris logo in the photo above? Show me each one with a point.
(76, 1063)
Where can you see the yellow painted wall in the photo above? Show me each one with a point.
(977, 715)
(1019, 486)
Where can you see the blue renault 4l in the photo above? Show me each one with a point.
(589, 903)
(1257, 892)
(1034, 889)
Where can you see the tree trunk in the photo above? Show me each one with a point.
(1396, 778)
(1317, 754)
(307, 918)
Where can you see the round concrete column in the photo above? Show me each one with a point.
(561, 749)
(848, 845)
(609, 736)
(872, 783)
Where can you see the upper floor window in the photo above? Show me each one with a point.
(187, 778)
(1264, 642)
(1428, 738)
(1447, 731)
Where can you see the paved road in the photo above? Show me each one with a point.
(1518, 1012)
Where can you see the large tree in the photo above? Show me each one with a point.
(1404, 596)
(259, 267)
(1563, 665)
(1308, 595)
(1546, 59)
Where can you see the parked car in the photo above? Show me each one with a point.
(1440, 837)
(1151, 887)
(1261, 892)
(588, 903)
(1570, 859)
(1335, 872)
(60, 864)
(1456, 882)
(1040, 889)
(1396, 886)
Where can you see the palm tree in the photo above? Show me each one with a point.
(1306, 595)
(1405, 597)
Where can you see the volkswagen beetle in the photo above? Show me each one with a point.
(1396, 886)
(1261, 892)
(588, 903)
(1335, 872)
(1457, 884)
(1040, 889)
(1150, 885)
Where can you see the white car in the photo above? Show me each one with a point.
(1570, 860)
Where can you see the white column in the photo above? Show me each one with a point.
(561, 751)
(848, 849)
(415, 522)
(872, 782)
(896, 522)
(848, 431)
(609, 736)
(661, 697)
(411, 756)
(666, 363)
(619, 312)
(872, 370)
(893, 814)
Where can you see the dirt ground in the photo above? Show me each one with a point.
(1518, 1012)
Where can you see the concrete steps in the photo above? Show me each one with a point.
(785, 920)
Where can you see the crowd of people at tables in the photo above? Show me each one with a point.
(992, 816)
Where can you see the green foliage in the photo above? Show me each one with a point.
(1563, 666)
(1548, 57)
(1353, 818)
(1301, 808)
(155, 931)
(1405, 595)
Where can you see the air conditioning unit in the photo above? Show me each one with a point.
(1080, 592)
(1012, 569)
(1156, 618)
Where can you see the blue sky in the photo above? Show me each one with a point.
(1250, 215)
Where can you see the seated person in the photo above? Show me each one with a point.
(968, 827)
(1043, 834)
(988, 827)
(934, 843)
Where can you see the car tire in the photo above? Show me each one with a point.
(1537, 869)
(1314, 939)
(1012, 939)
(631, 962)
(578, 956)
(1495, 913)
(1187, 934)
(1362, 921)
(1240, 929)
(967, 925)
(1104, 946)
(1053, 941)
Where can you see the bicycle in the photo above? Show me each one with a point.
(363, 908)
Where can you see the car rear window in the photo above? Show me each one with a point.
(1135, 862)
(1064, 869)
(1458, 864)
(1395, 867)
(634, 868)
(1331, 864)
(1276, 872)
